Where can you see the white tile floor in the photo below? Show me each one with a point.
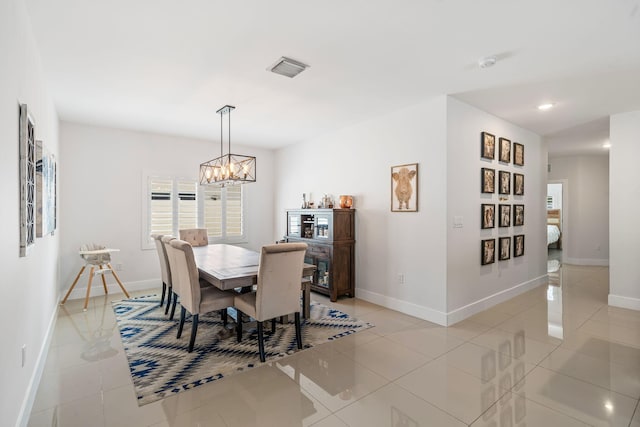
(555, 356)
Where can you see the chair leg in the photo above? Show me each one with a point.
(261, 341)
(118, 280)
(104, 282)
(164, 290)
(173, 308)
(224, 316)
(73, 285)
(273, 325)
(169, 294)
(86, 299)
(194, 331)
(180, 326)
(298, 330)
(239, 325)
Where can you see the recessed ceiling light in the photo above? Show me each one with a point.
(545, 107)
(287, 67)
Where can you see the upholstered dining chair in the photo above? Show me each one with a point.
(172, 296)
(164, 269)
(95, 256)
(278, 290)
(193, 297)
(195, 236)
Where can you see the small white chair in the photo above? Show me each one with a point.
(195, 236)
(95, 256)
(193, 297)
(278, 290)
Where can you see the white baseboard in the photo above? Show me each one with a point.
(469, 310)
(455, 316)
(624, 302)
(405, 307)
(113, 288)
(586, 261)
(32, 389)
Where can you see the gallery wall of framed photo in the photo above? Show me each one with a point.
(503, 181)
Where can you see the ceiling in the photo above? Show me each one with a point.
(166, 66)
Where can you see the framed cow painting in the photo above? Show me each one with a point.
(404, 188)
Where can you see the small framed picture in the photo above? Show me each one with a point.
(518, 215)
(518, 245)
(504, 215)
(488, 180)
(488, 251)
(518, 184)
(505, 150)
(504, 178)
(488, 216)
(487, 146)
(404, 188)
(518, 154)
(505, 248)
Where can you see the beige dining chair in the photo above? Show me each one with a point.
(193, 297)
(195, 236)
(95, 256)
(277, 292)
(172, 297)
(164, 270)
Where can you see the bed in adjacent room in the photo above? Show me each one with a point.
(554, 233)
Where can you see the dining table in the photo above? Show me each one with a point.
(229, 267)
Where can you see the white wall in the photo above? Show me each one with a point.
(586, 231)
(29, 290)
(357, 161)
(101, 172)
(470, 286)
(624, 184)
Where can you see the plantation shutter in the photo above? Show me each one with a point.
(234, 211)
(161, 206)
(213, 211)
(187, 205)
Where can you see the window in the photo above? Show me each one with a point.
(173, 204)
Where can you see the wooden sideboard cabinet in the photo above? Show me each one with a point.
(330, 234)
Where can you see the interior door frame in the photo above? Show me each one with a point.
(564, 223)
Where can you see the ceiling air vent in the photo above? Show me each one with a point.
(287, 67)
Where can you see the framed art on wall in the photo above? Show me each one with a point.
(505, 150)
(488, 216)
(404, 188)
(27, 170)
(505, 248)
(504, 215)
(488, 180)
(45, 191)
(518, 215)
(518, 245)
(518, 154)
(504, 178)
(487, 146)
(518, 184)
(488, 250)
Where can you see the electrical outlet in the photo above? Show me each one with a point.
(401, 279)
(24, 354)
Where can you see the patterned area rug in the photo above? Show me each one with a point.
(161, 366)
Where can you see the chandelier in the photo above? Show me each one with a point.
(228, 169)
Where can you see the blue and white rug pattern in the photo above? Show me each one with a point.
(161, 366)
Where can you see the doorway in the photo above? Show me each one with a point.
(555, 221)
